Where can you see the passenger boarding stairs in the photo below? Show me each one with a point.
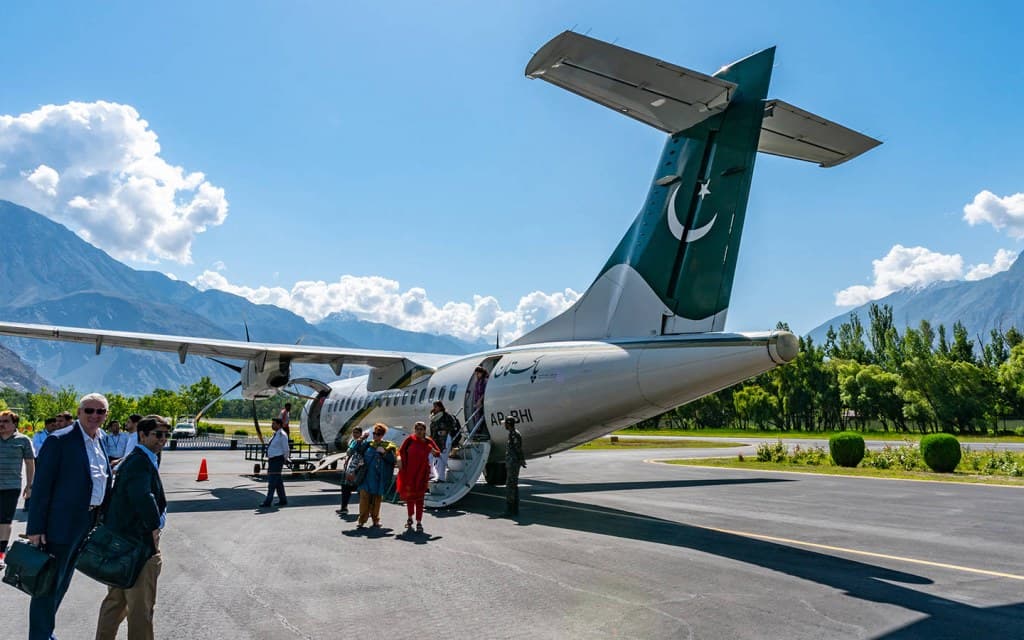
(465, 467)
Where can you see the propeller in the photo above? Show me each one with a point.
(213, 402)
(256, 423)
(233, 367)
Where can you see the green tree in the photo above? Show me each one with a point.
(851, 341)
(121, 406)
(42, 405)
(882, 334)
(962, 349)
(1013, 337)
(162, 402)
(754, 404)
(199, 394)
(1010, 378)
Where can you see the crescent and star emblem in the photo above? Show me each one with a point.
(677, 228)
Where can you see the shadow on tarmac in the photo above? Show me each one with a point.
(236, 499)
(945, 618)
(539, 487)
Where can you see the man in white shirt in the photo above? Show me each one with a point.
(277, 455)
(64, 505)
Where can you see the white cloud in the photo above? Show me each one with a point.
(380, 299)
(96, 167)
(906, 267)
(1002, 213)
(43, 178)
(219, 266)
(1002, 261)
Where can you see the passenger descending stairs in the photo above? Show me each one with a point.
(464, 468)
(463, 472)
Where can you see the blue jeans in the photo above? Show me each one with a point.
(274, 480)
(42, 611)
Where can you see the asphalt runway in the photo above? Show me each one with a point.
(607, 546)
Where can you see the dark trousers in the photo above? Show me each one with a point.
(512, 487)
(346, 494)
(274, 480)
(42, 611)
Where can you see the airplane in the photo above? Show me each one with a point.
(645, 337)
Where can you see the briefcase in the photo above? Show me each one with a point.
(111, 558)
(30, 569)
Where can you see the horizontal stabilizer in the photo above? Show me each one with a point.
(657, 93)
(794, 133)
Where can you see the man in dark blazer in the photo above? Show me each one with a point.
(137, 512)
(71, 484)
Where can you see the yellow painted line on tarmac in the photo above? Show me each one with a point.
(870, 554)
(791, 541)
(822, 475)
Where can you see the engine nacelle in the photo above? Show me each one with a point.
(263, 377)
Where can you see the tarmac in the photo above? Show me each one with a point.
(608, 545)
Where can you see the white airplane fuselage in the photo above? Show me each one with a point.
(562, 394)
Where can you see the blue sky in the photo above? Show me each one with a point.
(400, 145)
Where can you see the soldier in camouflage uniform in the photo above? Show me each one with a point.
(514, 460)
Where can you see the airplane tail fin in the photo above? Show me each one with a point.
(673, 271)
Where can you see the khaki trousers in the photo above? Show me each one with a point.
(136, 604)
(369, 507)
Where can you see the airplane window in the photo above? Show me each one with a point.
(405, 397)
(430, 396)
(451, 394)
(440, 394)
(423, 392)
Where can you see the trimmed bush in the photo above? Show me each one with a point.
(847, 449)
(240, 432)
(941, 452)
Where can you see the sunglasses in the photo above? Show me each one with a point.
(161, 434)
(89, 411)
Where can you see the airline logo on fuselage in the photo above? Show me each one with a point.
(510, 368)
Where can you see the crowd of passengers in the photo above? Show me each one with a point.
(371, 460)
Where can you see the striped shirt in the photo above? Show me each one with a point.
(13, 451)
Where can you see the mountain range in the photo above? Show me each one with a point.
(996, 302)
(49, 275)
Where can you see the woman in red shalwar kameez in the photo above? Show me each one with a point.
(414, 472)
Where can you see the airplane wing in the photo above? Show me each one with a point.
(185, 346)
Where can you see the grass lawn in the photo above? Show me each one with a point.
(640, 443)
(800, 435)
(869, 472)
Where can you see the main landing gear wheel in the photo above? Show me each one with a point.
(495, 473)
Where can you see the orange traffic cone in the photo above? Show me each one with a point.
(202, 472)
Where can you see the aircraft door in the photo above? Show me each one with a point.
(316, 406)
(476, 416)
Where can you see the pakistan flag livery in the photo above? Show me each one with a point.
(672, 272)
(645, 337)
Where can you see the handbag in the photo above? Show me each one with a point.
(30, 569)
(111, 558)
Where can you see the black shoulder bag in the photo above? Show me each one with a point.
(112, 559)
